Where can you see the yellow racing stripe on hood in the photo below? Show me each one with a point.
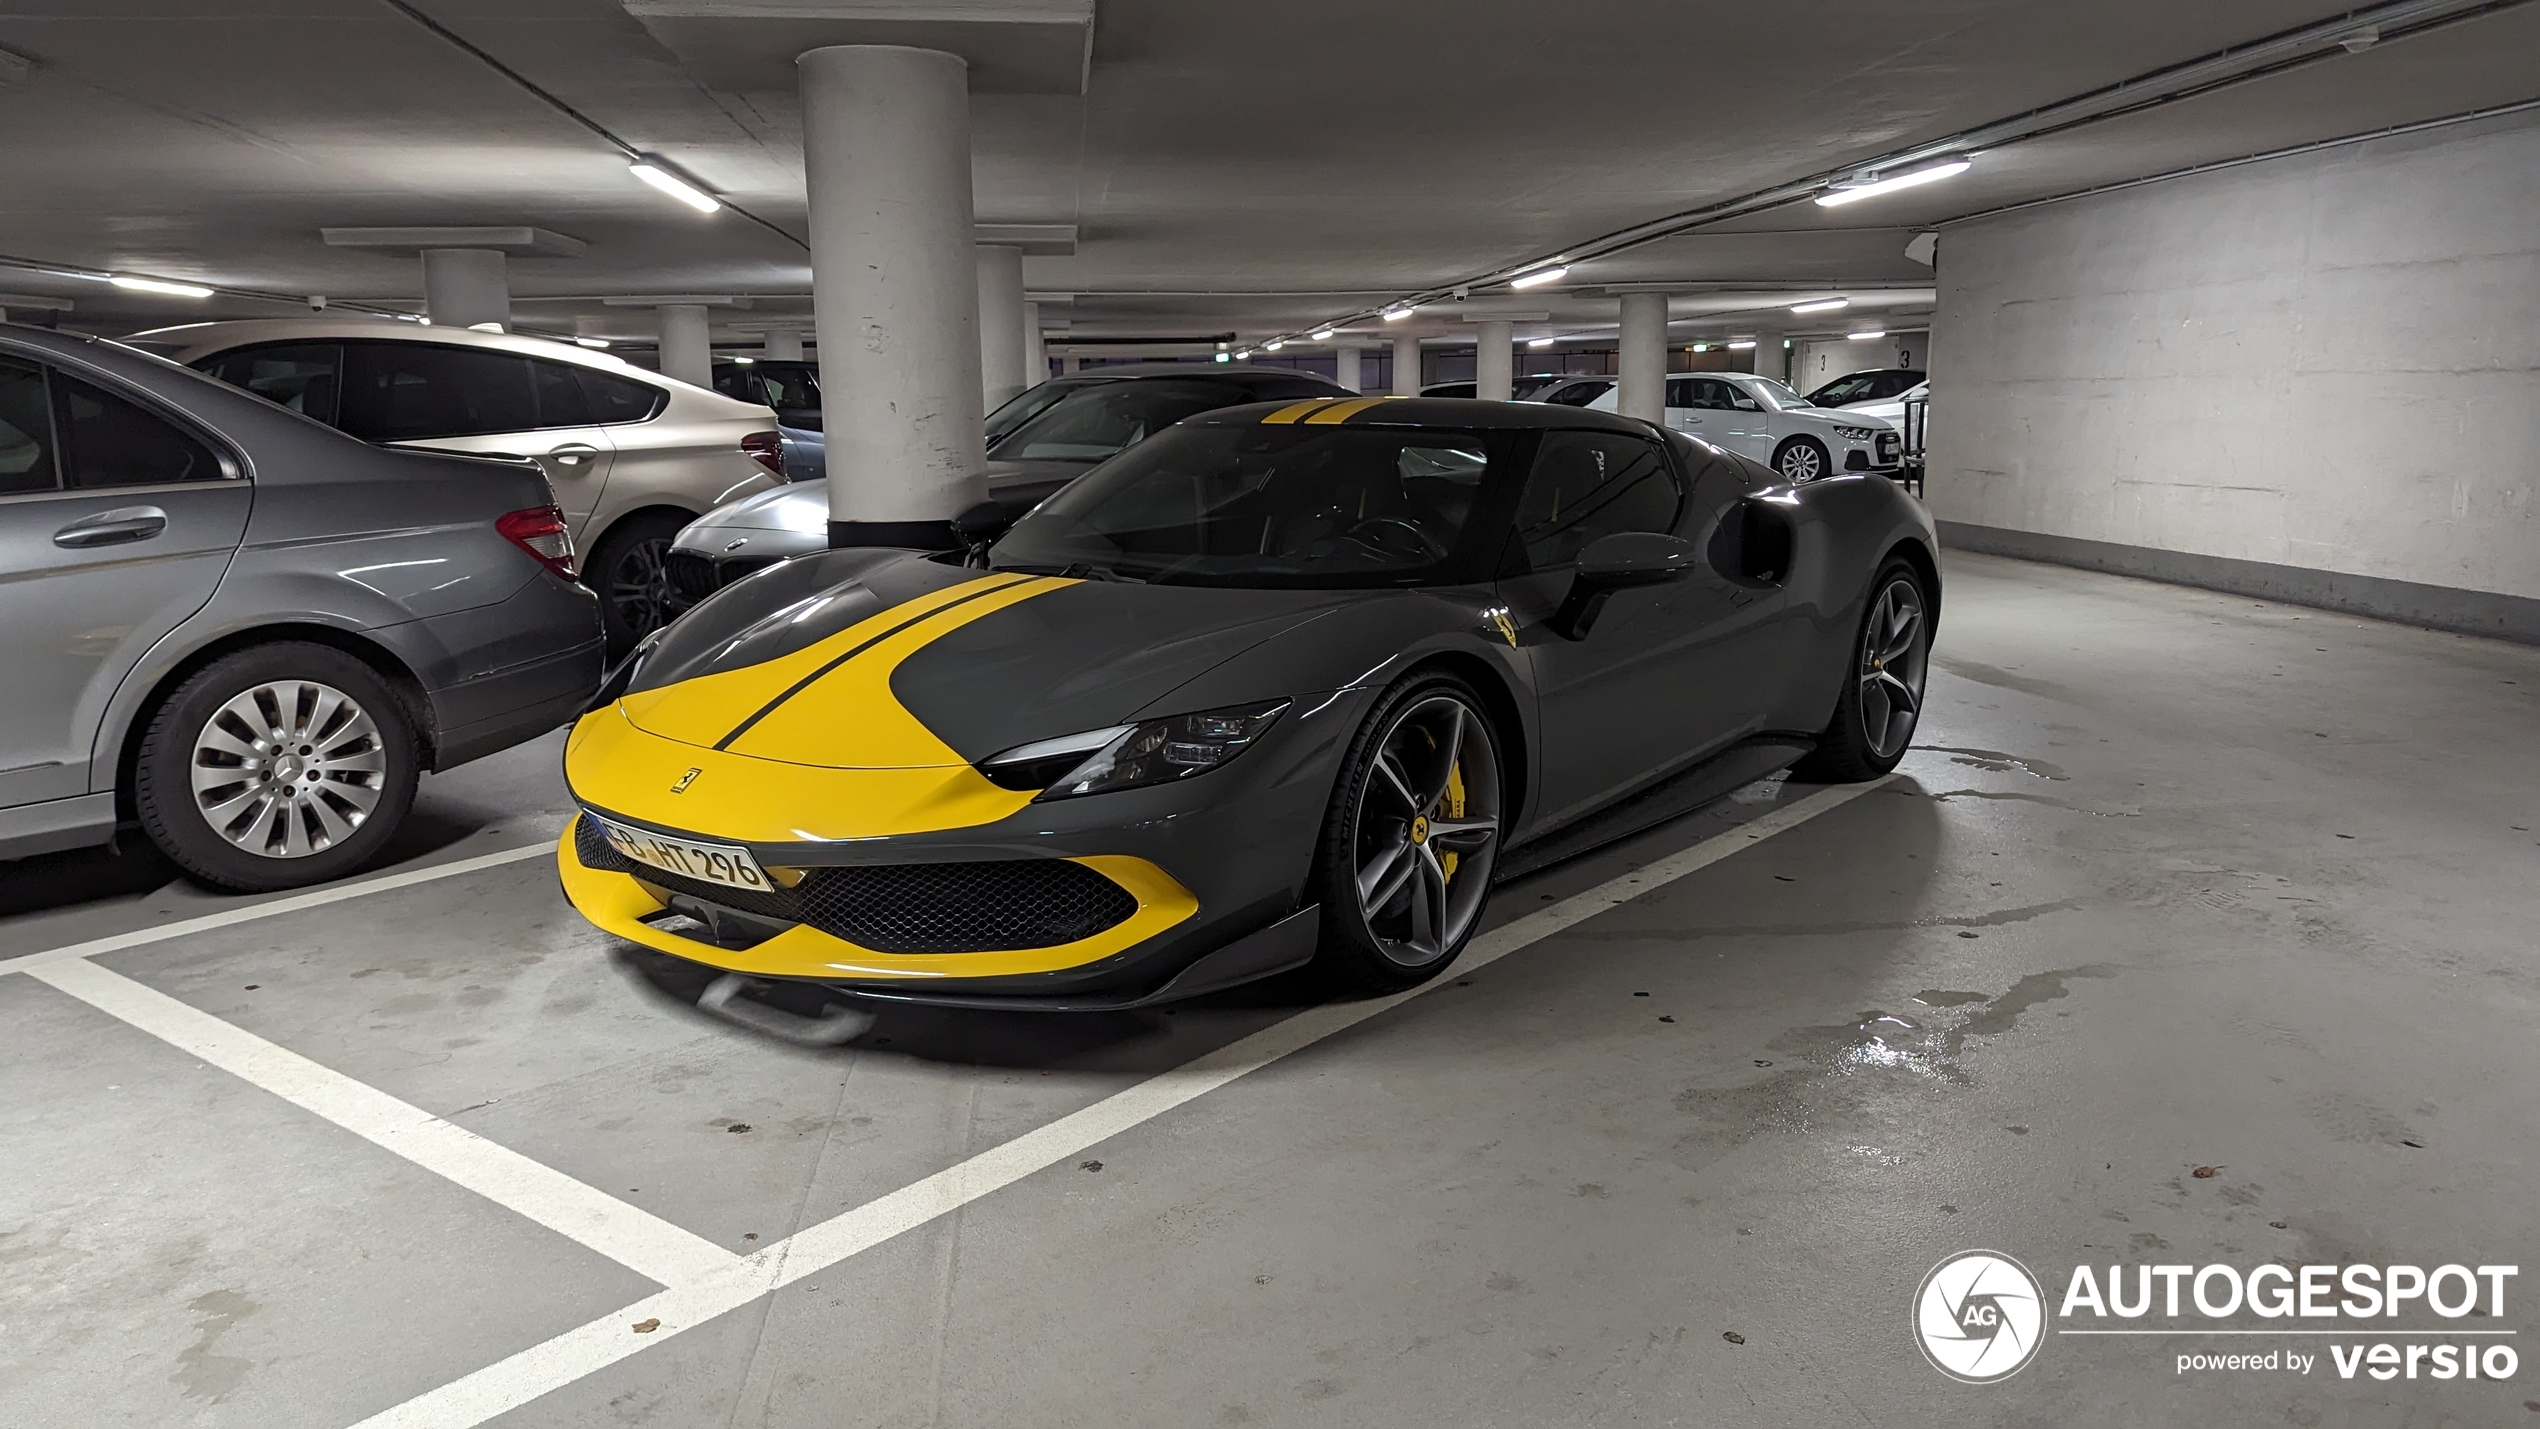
(705, 710)
(848, 718)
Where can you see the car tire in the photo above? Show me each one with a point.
(293, 715)
(1411, 838)
(1881, 703)
(629, 571)
(1802, 459)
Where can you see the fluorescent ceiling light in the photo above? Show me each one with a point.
(153, 285)
(1741, 346)
(675, 186)
(1538, 342)
(484, 327)
(1863, 336)
(745, 361)
(1702, 347)
(1241, 355)
(1323, 336)
(1273, 346)
(591, 342)
(1835, 198)
(1395, 315)
(1825, 305)
(1539, 277)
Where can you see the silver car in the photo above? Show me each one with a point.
(247, 633)
(633, 455)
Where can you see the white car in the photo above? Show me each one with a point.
(1891, 409)
(631, 455)
(1762, 419)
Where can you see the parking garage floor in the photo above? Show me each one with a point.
(2175, 880)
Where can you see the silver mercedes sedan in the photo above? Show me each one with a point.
(246, 633)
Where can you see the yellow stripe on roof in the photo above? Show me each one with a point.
(1289, 414)
(1343, 411)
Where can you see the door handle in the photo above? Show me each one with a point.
(572, 454)
(109, 528)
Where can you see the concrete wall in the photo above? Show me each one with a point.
(1818, 361)
(2328, 362)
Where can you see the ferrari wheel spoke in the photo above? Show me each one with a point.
(1426, 831)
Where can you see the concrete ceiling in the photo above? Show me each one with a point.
(1229, 167)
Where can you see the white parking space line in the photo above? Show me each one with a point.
(510, 1383)
(231, 917)
(636, 1239)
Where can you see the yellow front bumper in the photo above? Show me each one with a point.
(618, 903)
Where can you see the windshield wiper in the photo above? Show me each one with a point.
(1087, 570)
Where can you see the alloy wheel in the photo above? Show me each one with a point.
(1426, 834)
(1894, 660)
(288, 768)
(1800, 462)
(640, 589)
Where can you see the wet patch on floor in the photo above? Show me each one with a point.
(1997, 762)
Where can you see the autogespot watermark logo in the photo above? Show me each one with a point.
(1980, 1316)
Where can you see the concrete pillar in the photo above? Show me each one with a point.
(1494, 361)
(1642, 360)
(1345, 367)
(1000, 324)
(1406, 366)
(1771, 358)
(895, 289)
(1036, 354)
(784, 345)
(687, 351)
(463, 287)
(1070, 365)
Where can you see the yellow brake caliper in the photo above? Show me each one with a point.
(1454, 810)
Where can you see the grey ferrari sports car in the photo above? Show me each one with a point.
(1285, 682)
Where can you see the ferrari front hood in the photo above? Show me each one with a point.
(884, 660)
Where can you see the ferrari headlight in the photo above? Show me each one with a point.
(1856, 434)
(1158, 751)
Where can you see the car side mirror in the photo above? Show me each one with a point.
(1620, 561)
(979, 527)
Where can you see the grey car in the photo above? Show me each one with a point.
(248, 633)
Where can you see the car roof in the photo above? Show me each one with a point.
(1446, 413)
(195, 339)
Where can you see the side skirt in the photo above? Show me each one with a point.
(1672, 797)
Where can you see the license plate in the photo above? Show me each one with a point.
(707, 863)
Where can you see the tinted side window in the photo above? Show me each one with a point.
(1679, 391)
(1579, 394)
(560, 399)
(614, 399)
(301, 375)
(412, 391)
(1712, 396)
(26, 429)
(1590, 484)
(108, 441)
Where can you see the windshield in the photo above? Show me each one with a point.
(1779, 392)
(1268, 506)
(1032, 402)
(1863, 387)
(1091, 423)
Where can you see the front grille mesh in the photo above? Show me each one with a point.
(690, 574)
(995, 906)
